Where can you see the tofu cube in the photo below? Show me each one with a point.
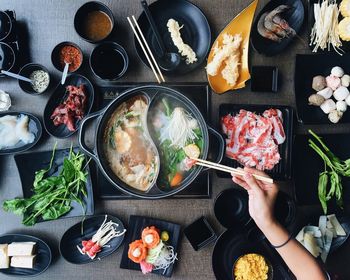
(4, 258)
(21, 249)
(23, 261)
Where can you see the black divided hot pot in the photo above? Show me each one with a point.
(152, 94)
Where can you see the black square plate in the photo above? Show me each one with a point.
(307, 165)
(282, 170)
(29, 163)
(306, 67)
(136, 225)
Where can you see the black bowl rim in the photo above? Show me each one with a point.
(36, 139)
(33, 237)
(110, 15)
(231, 189)
(11, 26)
(87, 112)
(66, 43)
(13, 53)
(121, 49)
(32, 64)
(174, 72)
(95, 259)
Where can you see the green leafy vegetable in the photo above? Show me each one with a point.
(53, 195)
(330, 180)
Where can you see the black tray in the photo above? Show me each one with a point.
(306, 67)
(310, 24)
(307, 165)
(29, 163)
(282, 170)
(199, 93)
(135, 227)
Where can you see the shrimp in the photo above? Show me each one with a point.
(284, 24)
(265, 32)
(271, 25)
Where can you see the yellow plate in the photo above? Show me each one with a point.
(242, 24)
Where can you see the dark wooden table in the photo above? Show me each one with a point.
(49, 22)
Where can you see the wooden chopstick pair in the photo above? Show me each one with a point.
(231, 170)
(146, 49)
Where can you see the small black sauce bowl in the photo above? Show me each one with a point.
(108, 46)
(231, 208)
(55, 56)
(25, 71)
(200, 233)
(82, 13)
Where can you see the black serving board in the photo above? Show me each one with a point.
(42, 251)
(282, 170)
(307, 165)
(233, 244)
(294, 16)
(199, 93)
(306, 67)
(34, 126)
(311, 20)
(29, 163)
(73, 237)
(136, 225)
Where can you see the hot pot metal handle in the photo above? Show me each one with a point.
(82, 133)
(221, 148)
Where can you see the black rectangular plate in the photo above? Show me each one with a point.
(307, 165)
(282, 170)
(29, 163)
(136, 225)
(199, 93)
(306, 67)
(311, 21)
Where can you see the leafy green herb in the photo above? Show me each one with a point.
(330, 180)
(167, 107)
(53, 195)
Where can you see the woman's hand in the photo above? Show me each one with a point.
(262, 197)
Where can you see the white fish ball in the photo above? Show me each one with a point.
(335, 116)
(326, 93)
(347, 100)
(341, 93)
(337, 71)
(345, 81)
(328, 106)
(341, 106)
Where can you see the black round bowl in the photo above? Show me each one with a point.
(55, 56)
(7, 57)
(195, 32)
(268, 263)
(81, 14)
(231, 208)
(25, 71)
(99, 59)
(5, 25)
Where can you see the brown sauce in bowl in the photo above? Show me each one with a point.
(97, 25)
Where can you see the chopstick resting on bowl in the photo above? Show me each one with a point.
(146, 49)
(231, 170)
